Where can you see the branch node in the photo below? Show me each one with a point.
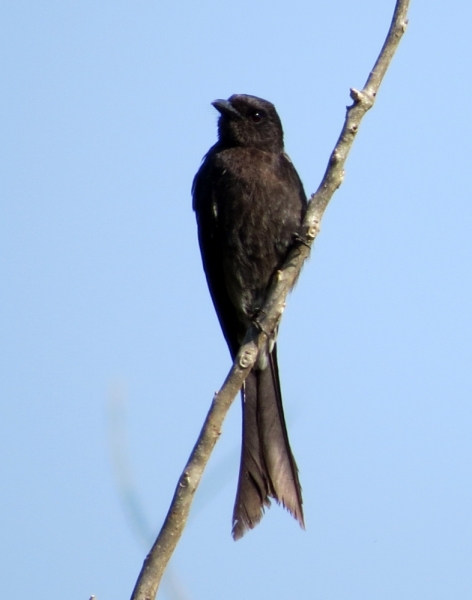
(184, 480)
(356, 95)
(248, 356)
(335, 157)
(313, 230)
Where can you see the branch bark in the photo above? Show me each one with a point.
(256, 337)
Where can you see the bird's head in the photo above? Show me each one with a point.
(250, 122)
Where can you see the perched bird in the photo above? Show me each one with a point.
(249, 203)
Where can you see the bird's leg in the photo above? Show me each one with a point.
(257, 318)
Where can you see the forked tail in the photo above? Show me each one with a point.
(268, 468)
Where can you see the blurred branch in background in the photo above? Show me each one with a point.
(120, 460)
(126, 485)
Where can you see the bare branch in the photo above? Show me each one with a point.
(157, 559)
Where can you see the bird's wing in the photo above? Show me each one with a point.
(205, 207)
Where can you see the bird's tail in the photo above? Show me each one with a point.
(268, 468)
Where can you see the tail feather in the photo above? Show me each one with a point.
(268, 468)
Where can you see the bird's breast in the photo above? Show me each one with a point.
(258, 211)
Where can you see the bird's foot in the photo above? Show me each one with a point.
(300, 240)
(257, 318)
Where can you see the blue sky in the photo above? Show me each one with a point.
(110, 346)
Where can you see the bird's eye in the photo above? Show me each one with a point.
(256, 116)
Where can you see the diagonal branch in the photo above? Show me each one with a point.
(157, 559)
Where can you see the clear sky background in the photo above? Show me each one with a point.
(108, 335)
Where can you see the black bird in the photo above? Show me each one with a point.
(249, 203)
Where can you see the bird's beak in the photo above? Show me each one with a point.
(227, 109)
